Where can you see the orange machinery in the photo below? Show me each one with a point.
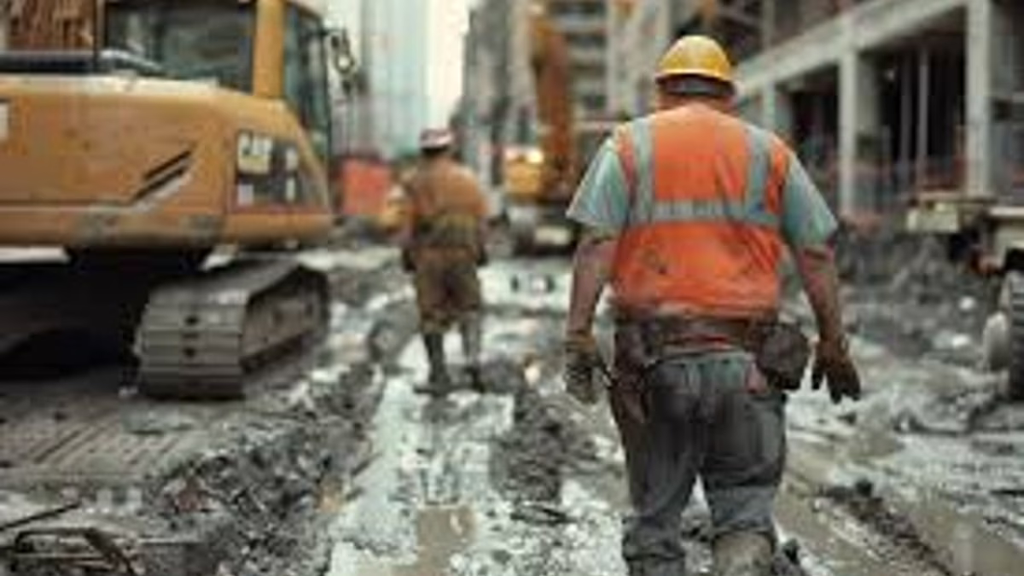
(366, 183)
(140, 135)
(540, 175)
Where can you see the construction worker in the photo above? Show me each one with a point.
(443, 244)
(686, 214)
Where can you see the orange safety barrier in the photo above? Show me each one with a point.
(364, 185)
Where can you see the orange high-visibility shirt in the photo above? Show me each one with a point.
(703, 204)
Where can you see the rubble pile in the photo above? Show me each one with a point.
(906, 292)
(533, 458)
(254, 486)
(268, 484)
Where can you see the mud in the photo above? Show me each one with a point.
(231, 488)
(869, 508)
(534, 457)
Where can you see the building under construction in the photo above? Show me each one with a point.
(885, 100)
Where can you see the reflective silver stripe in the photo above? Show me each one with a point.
(697, 211)
(639, 134)
(752, 209)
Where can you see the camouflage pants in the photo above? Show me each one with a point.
(707, 415)
(447, 287)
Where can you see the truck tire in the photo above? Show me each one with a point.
(1014, 284)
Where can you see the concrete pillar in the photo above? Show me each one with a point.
(859, 121)
(768, 16)
(777, 111)
(979, 97)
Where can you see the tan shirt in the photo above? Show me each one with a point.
(446, 205)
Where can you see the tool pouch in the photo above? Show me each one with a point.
(782, 355)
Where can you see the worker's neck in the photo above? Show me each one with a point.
(671, 102)
(436, 157)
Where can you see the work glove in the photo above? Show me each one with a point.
(832, 365)
(407, 261)
(582, 362)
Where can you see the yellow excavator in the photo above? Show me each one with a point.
(540, 174)
(142, 135)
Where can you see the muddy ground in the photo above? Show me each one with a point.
(178, 488)
(342, 470)
(916, 479)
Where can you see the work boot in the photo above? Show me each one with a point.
(438, 382)
(472, 341)
(742, 554)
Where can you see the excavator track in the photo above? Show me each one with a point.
(203, 338)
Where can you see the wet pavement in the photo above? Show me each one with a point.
(453, 490)
(526, 482)
(921, 478)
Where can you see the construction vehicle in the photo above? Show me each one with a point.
(141, 135)
(540, 173)
(987, 232)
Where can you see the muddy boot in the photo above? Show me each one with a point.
(742, 554)
(787, 561)
(472, 337)
(438, 382)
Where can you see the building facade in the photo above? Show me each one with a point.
(391, 104)
(498, 108)
(583, 24)
(883, 99)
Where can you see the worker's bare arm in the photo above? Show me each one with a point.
(817, 268)
(591, 271)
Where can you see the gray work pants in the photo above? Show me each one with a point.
(708, 415)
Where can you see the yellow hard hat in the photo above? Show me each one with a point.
(696, 56)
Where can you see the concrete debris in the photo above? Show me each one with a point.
(942, 306)
(254, 490)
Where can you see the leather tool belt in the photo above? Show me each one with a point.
(780, 350)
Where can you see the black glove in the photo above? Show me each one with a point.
(581, 367)
(832, 364)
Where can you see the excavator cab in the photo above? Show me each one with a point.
(191, 123)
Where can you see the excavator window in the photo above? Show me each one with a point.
(203, 40)
(305, 77)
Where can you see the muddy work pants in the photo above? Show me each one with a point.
(447, 288)
(707, 416)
